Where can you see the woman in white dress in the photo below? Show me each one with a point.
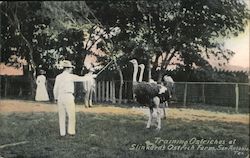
(41, 90)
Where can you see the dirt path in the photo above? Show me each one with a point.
(10, 106)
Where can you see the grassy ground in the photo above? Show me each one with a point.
(111, 135)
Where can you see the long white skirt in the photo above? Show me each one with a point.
(41, 91)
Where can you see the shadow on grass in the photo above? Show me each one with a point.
(214, 108)
(211, 108)
(113, 136)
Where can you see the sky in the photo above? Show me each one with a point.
(240, 45)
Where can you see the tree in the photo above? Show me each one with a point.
(77, 18)
(184, 30)
(19, 22)
(74, 29)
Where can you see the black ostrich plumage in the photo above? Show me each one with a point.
(145, 92)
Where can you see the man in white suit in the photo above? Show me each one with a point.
(63, 93)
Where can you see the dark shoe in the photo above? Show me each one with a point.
(61, 137)
(71, 136)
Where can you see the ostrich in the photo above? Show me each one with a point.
(150, 95)
(169, 83)
(89, 87)
(142, 67)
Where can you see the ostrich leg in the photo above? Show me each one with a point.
(90, 97)
(165, 105)
(156, 101)
(86, 99)
(151, 110)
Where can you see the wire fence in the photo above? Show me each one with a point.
(209, 93)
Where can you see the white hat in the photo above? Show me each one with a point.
(67, 63)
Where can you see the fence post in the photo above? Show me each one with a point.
(99, 91)
(203, 93)
(103, 90)
(95, 92)
(236, 97)
(107, 91)
(110, 91)
(185, 95)
(113, 95)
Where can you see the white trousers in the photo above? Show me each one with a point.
(66, 107)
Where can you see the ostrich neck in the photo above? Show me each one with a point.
(135, 72)
(141, 74)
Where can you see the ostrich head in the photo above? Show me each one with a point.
(133, 61)
(142, 66)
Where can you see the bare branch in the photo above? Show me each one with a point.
(92, 28)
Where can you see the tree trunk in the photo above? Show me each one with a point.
(164, 67)
(31, 63)
(32, 70)
(149, 70)
(155, 64)
(6, 87)
(160, 76)
(121, 84)
(32, 80)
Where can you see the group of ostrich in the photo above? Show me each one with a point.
(150, 94)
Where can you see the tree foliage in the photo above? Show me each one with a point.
(185, 33)
(184, 30)
(17, 26)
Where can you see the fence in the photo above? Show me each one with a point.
(216, 93)
(212, 93)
